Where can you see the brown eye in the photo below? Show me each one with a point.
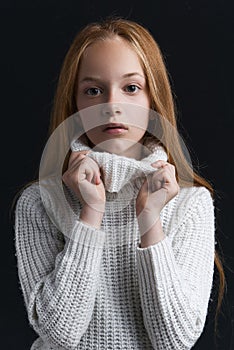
(93, 91)
(132, 88)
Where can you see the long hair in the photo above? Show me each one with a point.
(162, 102)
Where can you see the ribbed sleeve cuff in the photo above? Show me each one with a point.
(87, 235)
(158, 261)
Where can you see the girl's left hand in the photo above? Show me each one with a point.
(157, 190)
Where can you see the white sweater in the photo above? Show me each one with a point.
(97, 289)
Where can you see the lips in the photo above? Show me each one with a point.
(115, 129)
(111, 126)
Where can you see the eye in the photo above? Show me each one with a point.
(93, 91)
(132, 88)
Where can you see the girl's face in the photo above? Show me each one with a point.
(111, 81)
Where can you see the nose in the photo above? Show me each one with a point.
(111, 109)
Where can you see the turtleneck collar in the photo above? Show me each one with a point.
(118, 171)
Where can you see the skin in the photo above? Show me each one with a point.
(112, 80)
(111, 74)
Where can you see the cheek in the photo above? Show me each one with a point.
(94, 136)
(90, 117)
(81, 104)
(145, 100)
(137, 134)
(141, 119)
(83, 101)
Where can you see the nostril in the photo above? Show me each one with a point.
(111, 109)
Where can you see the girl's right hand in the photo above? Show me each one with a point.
(84, 178)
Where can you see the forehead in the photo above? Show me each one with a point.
(113, 55)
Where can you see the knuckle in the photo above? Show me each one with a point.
(65, 178)
(75, 158)
(81, 156)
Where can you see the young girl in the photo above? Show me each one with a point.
(135, 270)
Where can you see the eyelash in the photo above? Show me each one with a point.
(138, 88)
(95, 88)
(89, 89)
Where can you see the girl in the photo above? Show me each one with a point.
(135, 270)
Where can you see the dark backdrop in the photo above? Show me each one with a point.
(197, 40)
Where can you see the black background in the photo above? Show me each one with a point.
(197, 41)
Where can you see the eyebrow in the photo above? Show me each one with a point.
(127, 75)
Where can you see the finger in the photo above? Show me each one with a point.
(77, 156)
(162, 175)
(160, 179)
(98, 179)
(156, 183)
(89, 175)
(94, 169)
(164, 165)
(168, 182)
(90, 172)
(159, 163)
(83, 170)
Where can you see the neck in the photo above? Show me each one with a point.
(128, 149)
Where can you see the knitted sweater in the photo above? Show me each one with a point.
(97, 289)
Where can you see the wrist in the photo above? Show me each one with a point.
(147, 218)
(91, 216)
(151, 230)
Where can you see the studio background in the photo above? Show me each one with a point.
(197, 41)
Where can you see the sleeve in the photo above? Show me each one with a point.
(58, 278)
(175, 277)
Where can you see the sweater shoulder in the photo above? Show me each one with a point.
(31, 215)
(31, 190)
(30, 207)
(196, 195)
(192, 200)
(29, 197)
(191, 203)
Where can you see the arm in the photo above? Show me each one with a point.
(59, 281)
(175, 277)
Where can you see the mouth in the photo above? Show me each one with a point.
(115, 128)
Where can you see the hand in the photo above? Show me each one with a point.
(157, 190)
(84, 178)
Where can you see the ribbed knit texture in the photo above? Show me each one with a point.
(101, 290)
